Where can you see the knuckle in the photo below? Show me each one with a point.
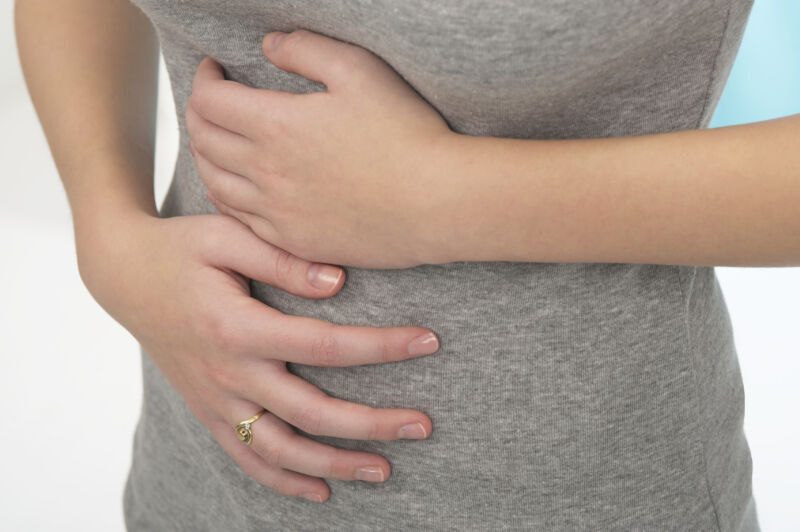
(384, 351)
(264, 168)
(325, 350)
(289, 44)
(284, 265)
(222, 333)
(215, 374)
(339, 465)
(219, 375)
(197, 97)
(309, 419)
(265, 131)
(272, 453)
(374, 428)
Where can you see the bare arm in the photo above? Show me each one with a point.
(91, 67)
(726, 196)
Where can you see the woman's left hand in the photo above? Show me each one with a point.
(351, 176)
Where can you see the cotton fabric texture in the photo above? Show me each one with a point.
(565, 396)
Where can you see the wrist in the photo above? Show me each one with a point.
(108, 206)
(463, 221)
(438, 229)
(106, 230)
(107, 243)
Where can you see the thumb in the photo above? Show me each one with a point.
(314, 56)
(234, 246)
(207, 70)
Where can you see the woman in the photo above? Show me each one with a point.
(585, 377)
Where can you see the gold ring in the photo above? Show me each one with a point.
(243, 428)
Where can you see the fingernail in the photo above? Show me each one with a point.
(324, 276)
(370, 474)
(273, 41)
(312, 497)
(423, 345)
(414, 431)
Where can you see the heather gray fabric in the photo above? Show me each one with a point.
(565, 396)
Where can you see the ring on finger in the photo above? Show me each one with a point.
(243, 428)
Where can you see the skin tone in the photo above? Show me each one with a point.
(327, 177)
(91, 68)
(98, 117)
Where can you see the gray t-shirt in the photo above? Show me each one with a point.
(565, 396)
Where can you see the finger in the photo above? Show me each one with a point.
(243, 217)
(317, 57)
(246, 218)
(232, 105)
(279, 445)
(300, 403)
(260, 226)
(243, 251)
(281, 480)
(314, 342)
(224, 148)
(229, 188)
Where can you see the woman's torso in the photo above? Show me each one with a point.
(564, 396)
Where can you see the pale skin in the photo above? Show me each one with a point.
(219, 347)
(91, 68)
(368, 164)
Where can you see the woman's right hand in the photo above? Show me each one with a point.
(178, 285)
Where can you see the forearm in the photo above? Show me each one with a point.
(91, 67)
(724, 196)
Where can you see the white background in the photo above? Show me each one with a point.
(70, 379)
